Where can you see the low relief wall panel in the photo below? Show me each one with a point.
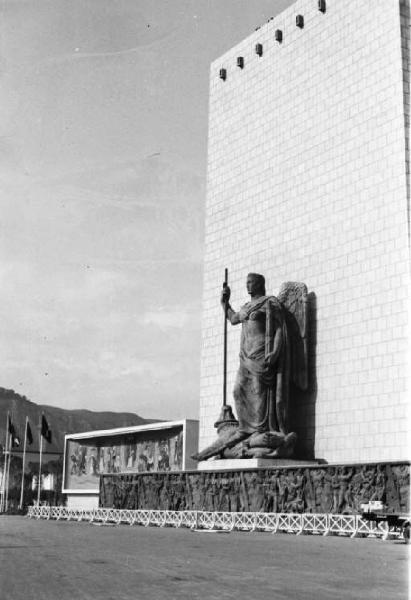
(323, 489)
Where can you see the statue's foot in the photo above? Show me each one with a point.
(268, 439)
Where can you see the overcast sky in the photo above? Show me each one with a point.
(103, 150)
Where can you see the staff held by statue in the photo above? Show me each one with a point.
(226, 420)
(225, 284)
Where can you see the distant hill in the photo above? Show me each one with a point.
(61, 421)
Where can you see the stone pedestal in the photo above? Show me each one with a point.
(228, 464)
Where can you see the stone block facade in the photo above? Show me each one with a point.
(307, 181)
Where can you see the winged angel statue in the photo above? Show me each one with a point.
(273, 354)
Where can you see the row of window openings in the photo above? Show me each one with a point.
(278, 35)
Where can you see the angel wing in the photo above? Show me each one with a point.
(293, 296)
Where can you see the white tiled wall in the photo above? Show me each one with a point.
(307, 181)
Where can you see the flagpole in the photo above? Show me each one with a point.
(39, 481)
(3, 483)
(24, 465)
(8, 472)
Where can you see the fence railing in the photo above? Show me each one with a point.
(299, 524)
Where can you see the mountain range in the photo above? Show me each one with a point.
(60, 420)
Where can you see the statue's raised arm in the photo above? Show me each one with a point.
(232, 315)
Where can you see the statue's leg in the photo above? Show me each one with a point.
(250, 401)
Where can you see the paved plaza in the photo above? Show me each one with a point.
(50, 560)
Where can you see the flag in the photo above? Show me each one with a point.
(45, 429)
(15, 441)
(29, 435)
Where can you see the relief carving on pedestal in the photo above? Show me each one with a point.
(320, 489)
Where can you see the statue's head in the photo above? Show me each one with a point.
(255, 284)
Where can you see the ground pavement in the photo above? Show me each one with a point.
(59, 560)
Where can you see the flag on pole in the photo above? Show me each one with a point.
(45, 429)
(15, 441)
(29, 435)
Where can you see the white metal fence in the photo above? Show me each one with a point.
(320, 524)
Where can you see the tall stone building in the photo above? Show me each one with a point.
(308, 180)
